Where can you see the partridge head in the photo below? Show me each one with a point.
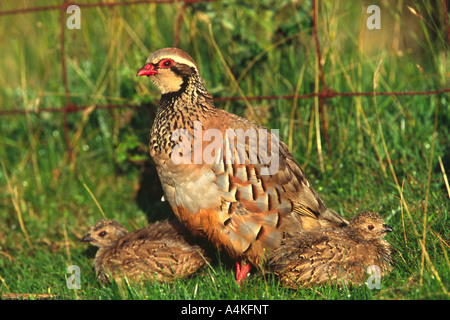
(170, 70)
(105, 233)
(368, 226)
(214, 171)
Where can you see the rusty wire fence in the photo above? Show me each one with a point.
(325, 91)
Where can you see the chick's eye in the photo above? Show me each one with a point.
(370, 227)
(102, 234)
(167, 63)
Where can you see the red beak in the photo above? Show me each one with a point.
(147, 70)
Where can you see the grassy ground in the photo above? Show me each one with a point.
(382, 154)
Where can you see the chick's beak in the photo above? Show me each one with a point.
(147, 70)
(387, 228)
(87, 238)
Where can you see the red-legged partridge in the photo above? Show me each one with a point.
(216, 171)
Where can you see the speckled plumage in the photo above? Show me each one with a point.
(340, 255)
(234, 205)
(161, 251)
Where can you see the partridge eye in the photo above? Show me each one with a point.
(102, 234)
(166, 63)
(370, 227)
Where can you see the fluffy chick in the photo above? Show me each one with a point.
(161, 251)
(341, 255)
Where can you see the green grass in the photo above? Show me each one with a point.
(384, 153)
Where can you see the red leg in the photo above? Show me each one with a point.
(241, 271)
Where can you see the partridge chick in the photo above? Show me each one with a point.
(216, 171)
(158, 252)
(322, 255)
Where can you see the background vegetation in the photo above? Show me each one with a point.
(382, 153)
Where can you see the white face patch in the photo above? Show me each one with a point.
(166, 80)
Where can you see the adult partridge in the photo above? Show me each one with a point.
(160, 251)
(216, 171)
(340, 255)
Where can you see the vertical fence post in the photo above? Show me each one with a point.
(444, 4)
(176, 38)
(324, 91)
(67, 104)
